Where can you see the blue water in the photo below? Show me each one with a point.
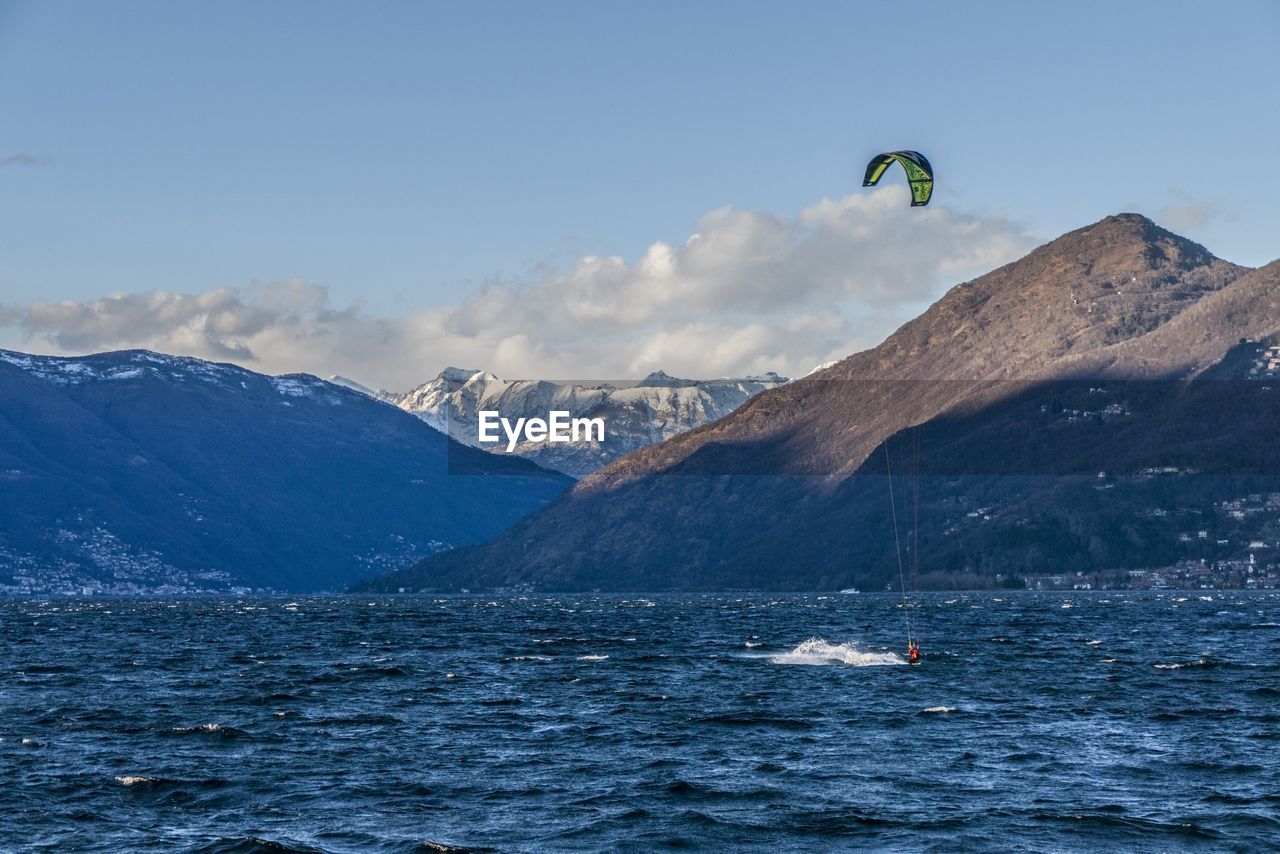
(1036, 722)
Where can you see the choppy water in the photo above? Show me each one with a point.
(1079, 721)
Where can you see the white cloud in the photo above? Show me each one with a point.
(1184, 217)
(748, 292)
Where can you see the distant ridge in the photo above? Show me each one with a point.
(138, 472)
(637, 414)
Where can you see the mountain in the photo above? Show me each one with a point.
(136, 471)
(635, 415)
(993, 382)
(351, 384)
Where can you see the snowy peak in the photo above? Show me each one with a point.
(345, 382)
(658, 407)
(456, 375)
(121, 365)
(144, 367)
(661, 379)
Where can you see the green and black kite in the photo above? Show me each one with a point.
(919, 173)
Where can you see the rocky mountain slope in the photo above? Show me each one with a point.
(789, 491)
(135, 472)
(635, 415)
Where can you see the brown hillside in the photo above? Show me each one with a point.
(1121, 297)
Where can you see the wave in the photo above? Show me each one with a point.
(368, 719)
(258, 845)
(158, 785)
(754, 719)
(939, 710)
(1181, 664)
(218, 730)
(144, 780)
(816, 651)
(141, 781)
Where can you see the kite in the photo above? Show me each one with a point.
(919, 173)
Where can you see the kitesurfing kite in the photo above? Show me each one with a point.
(919, 173)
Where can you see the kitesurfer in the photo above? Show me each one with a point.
(913, 652)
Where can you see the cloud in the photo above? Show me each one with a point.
(217, 323)
(748, 291)
(22, 160)
(1186, 215)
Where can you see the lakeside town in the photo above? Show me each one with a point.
(1233, 545)
(1239, 550)
(1200, 574)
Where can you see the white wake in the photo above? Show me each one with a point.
(818, 651)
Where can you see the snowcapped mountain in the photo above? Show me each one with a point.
(345, 382)
(635, 415)
(137, 472)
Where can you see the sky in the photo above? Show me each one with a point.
(587, 190)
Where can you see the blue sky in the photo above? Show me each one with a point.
(403, 155)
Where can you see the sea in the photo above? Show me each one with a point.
(1063, 721)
